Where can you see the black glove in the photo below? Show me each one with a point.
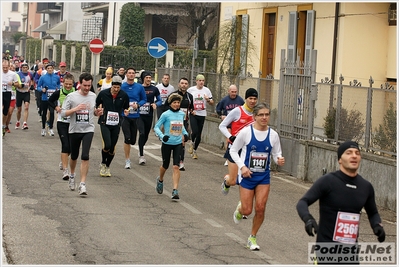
(32, 88)
(232, 138)
(379, 232)
(165, 138)
(185, 138)
(310, 225)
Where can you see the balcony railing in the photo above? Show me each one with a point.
(91, 4)
(48, 8)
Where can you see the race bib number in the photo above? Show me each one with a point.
(4, 87)
(112, 118)
(145, 109)
(176, 128)
(199, 104)
(346, 227)
(258, 161)
(131, 109)
(13, 95)
(50, 92)
(82, 116)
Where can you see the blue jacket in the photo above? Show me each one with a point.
(52, 81)
(173, 125)
(136, 93)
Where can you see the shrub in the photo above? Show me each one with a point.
(351, 126)
(385, 134)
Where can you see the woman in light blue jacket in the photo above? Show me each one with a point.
(172, 138)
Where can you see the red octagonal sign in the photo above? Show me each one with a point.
(96, 46)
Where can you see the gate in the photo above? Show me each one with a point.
(297, 96)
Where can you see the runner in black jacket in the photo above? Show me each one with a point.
(342, 195)
(114, 102)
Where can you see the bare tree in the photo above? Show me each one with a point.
(202, 15)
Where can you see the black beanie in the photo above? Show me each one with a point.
(346, 145)
(145, 74)
(251, 92)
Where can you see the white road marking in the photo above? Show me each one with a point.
(213, 223)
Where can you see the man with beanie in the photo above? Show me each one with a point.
(342, 195)
(114, 102)
(237, 119)
(202, 97)
(147, 112)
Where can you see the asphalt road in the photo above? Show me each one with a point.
(124, 221)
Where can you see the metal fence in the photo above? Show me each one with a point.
(303, 109)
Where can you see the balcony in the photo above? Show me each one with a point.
(100, 7)
(48, 8)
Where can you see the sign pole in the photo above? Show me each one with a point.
(94, 72)
(156, 70)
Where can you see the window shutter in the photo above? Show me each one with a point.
(292, 36)
(244, 45)
(310, 20)
(232, 44)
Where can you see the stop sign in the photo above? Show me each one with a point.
(96, 46)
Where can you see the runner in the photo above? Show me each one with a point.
(342, 195)
(237, 119)
(48, 84)
(8, 79)
(227, 104)
(23, 95)
(258, 144)
(80, 106)
(137, 98)
(56, 101)
(147, 113)
(114, 102)
(202, 97)
(175, 134)
(187, 107)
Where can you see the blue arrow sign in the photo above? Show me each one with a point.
(157, 47)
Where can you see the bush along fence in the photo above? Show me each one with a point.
(78, 56)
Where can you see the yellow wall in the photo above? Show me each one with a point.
(366, 43)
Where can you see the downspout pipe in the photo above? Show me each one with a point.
(334, 53)
(113, 24)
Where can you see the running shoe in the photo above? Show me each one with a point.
(102, 170)
(43, 132)
(17, 124)
(159, 186)
(251, 244)
(8, 129)
(237, 215)
(190, 148)
(65, 175)
(107, 172)
(181, 166)
(61, 166)
(142, 160)
(225, 189)
(51, 132)
(127, 164)
(175, 195)
(71, 182)
(82, 189)
(195, 155)
(25, 126)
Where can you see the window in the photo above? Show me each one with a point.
(301, 36)
(238, 63)
(14, 6)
